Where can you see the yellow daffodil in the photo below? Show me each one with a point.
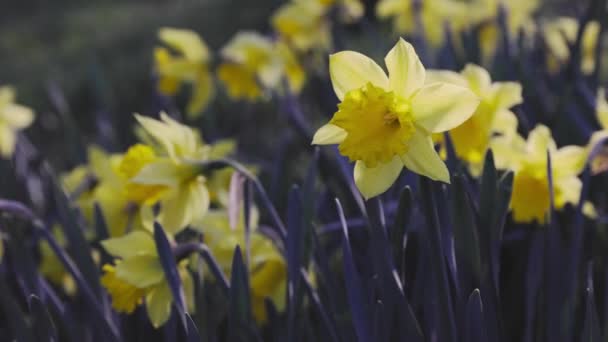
(385, 122)
(185, 195)
(254, 64)
(120, 200)
(472, 138)
(267, 268)
(560, 33)
(530, 199)
(303, 25)
(189, 65)
(138, 277)
(13, 118)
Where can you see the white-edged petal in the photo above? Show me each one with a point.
(440, 107)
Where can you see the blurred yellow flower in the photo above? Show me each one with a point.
(600, 161)
(267, 268)
(472, 138)
(433, 15)
(138, 277)
(254, 64)
(385, 123)
(560, 33)
(530, 199)
(13, 118)
(189, 64)
(52, 268)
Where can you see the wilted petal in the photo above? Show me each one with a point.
(405, 71)
(351, 70)
(374, 181)
(440, 107)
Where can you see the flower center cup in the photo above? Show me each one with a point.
(378, 123)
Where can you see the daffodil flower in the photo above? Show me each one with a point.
(600, 161)
(560, 33)
(138, 277)
(190, 66)
(530, 199)
(13, 118)
(472, 138)
(385, 122)
(267, 268)
(181, 149)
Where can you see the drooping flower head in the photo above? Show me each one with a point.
(472, 138)
(530, 199)
(384, 123)
(13, 118)
(189, 64)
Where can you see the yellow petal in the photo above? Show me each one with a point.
(140, 270)
(187, 42)
(424, 160)
(187, 203)
(329, 134)
(17, 116)
(158, 304)
(540, 141)
(567, 190)
(505, 122)
(440, 107)
(162, 172)
(202, 92)
(506, 94)
(351, 70)
(374, 181)
(8, 139)
(478, 78)
(508, 151)
(132, 244)
(569, 160)
(406, 72)
(445, 76)
(602, 107)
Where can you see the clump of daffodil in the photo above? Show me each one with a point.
(471, 139)
(384, 123)
(267, 268)
(530, 199)
(137, 277)
(13, 118)
(560, 33)
(305, 24)
(173, 168)
(185, 61)
(254, 64)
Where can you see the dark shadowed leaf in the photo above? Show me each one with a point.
(167, 260)
(239, 312)
(475, 326)
(41, 320)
